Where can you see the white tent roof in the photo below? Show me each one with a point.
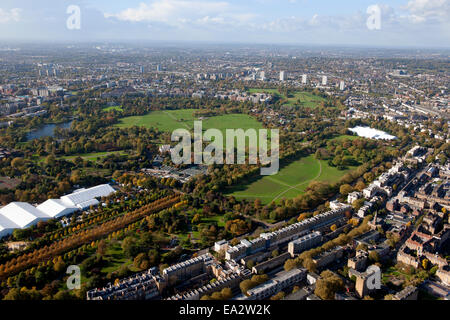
(22, 214)
(76, 198)
(87, 204)
(6, 224)
(56, 208)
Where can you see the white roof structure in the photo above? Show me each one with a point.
(23, 214)
(55, 208)
(6, 226)
(87, 204)
(372, 133)
(79, 197)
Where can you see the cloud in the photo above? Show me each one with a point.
(421, 11)
(12, 15)
(171, 11)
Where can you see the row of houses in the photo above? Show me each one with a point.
(230, 281)
(137, 287)
(284, 235)
(275, 285)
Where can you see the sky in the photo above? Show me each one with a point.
(394, 23)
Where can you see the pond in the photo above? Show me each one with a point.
(47, 130)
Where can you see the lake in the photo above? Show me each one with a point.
(47, 131)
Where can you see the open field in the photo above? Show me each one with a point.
(174, 119)
(117, 108)
(307, 99)
(346, 137)
(94, 156)
(291, 181)
(170, 120)
(269, 91)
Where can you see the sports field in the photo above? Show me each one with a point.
(170, 120)
(291, 181)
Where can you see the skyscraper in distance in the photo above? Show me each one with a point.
(304, 79)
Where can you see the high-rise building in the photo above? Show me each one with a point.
(262, 76)
(304, 79)
(324, 80)
(342, 85)
(282, 76)
(142, 69)
(158, 68)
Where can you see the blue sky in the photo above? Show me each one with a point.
(418, 23)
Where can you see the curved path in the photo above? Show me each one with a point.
(300, 184)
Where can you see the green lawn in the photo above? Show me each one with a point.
(170, 120)
(261, 90)
(174, 119)
(346, 137)
(291, 181)
(94, 156)
(307, 99)
(117, 108)
(115, 259)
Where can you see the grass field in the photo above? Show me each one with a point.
(307, 99)
(117, 108)
(260, 90)
(291, 181)
(346, 137)
(94, 156)
(174, 119)
(170, 120)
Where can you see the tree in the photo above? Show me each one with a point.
(227, 294)
(196, 219)
(129, 247)
(327, 285)
(333, 228)
(374, 256)
(59, 266)
(425, 263)
(290, 264)
(310, 265)
(101, 248)
(345, 189)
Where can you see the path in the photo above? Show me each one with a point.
(305, 182)
(177, 120)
